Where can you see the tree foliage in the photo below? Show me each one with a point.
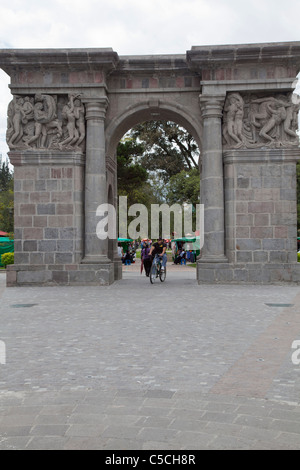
(184, 187)
(132, 176)
(298, 196)
(168, 148)
(6, 199)
(6, 177)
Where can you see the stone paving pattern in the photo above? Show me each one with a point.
(174, 366)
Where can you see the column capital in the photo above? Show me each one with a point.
(95, 108)
(212, 105)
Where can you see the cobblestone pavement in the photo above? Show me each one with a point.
(173, 366)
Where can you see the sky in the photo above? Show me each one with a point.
(135, 27)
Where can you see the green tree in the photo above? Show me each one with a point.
(158, 163)
(132, 177)
(6, 177)
(298, 195)
(184, 187)
(6, 198)
(168, 148)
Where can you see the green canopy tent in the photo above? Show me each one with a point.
(189, 244)
(6, 246)
(125, 243)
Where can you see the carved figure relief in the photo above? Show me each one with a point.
(252, 121)
(46, 122)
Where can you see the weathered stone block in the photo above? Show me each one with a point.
(49, 258)
(205, 274)
(32, 233)
(256, 182)
(40, 221)
(51, 185)
(39, 277)
(267, 195)
(43, 172)
(273, 244)
(47, 246)
(241, 207)
(40, 197)
(65, 209)
(272, 182)
(27, 209)
(60, 221)
(250, 244)
(240, 275)
(278, 257)
(60, 277)
(21, 258)
(244, 194)
(281, 232)
(224, 274)
(30, 245)
(244, 256)
(62, 197)
(288, 194)
(40, 185)
(51, 233)
(261, 207)
(243, 182)
(65, 246)
(261, 220)
(36, 258)
(283, 219)
(260, 256)
(261, 232)
(244, 220)
(23, 220)
(242, 232)
(11, 277)
(63, 258)
(45, 209)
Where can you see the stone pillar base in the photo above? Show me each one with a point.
(63, 275)
(118, 270)
(252, 273)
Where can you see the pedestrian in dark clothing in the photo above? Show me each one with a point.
(146, 259)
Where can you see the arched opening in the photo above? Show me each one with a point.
(127, 134)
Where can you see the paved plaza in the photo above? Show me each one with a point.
(135, 366)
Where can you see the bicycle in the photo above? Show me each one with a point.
(156, 270)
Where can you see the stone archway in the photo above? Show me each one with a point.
(70, 107)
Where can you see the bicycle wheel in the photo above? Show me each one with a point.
(162, 274)
(153, 273)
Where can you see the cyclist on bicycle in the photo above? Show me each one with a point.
(159, 248)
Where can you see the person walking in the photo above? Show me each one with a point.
(146, 259)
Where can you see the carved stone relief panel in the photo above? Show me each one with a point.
(257, 121)
(46, 122)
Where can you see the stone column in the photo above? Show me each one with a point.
(96, 250)
(211, 189)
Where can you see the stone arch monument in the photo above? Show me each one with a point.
(70, 107)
